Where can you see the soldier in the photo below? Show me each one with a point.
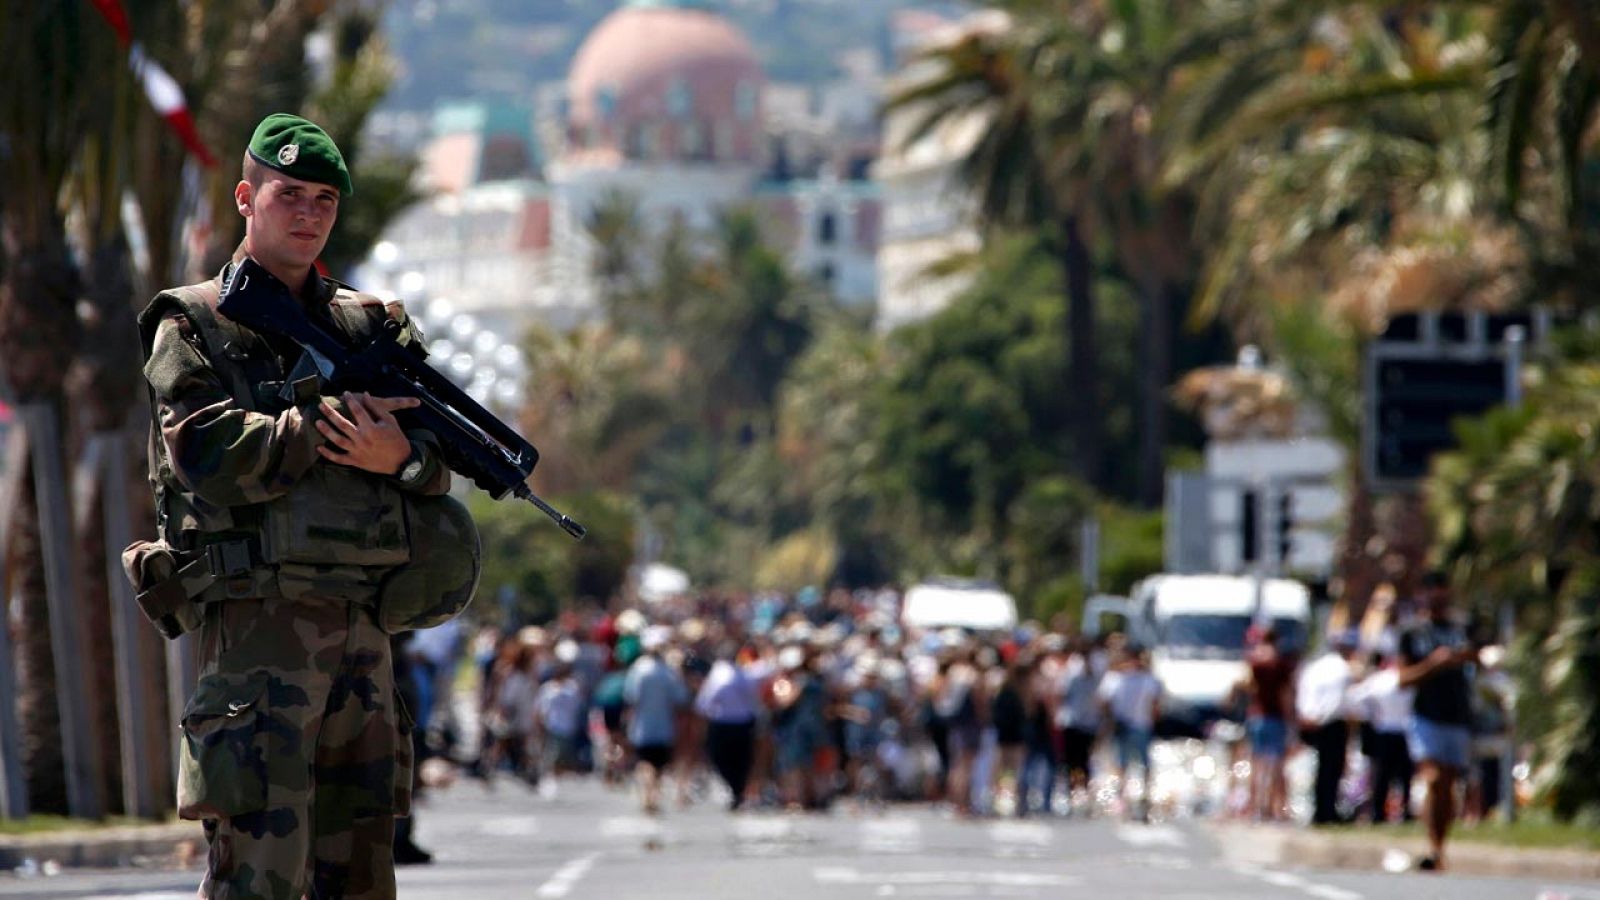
(296, 751)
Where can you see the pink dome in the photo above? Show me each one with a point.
(662, 82)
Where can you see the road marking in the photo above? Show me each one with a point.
(565, 877)
(847, 875)
(1168, 861)
(757, 829)
(1295, 882)
(1031, 833)
(630, 827)
(1329, 892)
(891, 835)
(510, 826)
(1151, 836)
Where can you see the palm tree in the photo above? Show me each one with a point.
(995, 73)
(55, 68)
(1515, 512)
(1544, 101)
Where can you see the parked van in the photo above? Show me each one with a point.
(1194, 627)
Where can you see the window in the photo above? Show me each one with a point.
(680, 102)
(744, 100)
(692, 142)
(825, 273)
(606, 100)
(827, 228)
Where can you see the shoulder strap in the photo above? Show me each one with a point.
(221, 339)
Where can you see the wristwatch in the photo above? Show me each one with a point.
(411, 470)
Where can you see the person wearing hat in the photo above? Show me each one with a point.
(295, 748)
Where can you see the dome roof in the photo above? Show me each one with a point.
(648, 63)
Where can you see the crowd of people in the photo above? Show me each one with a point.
(800, 702)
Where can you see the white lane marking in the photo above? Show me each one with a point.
(1295, 882)
(565, 877)
(1031, 833)
(889, 835)
(763, 829)
(1281, 879)
(1329, 892)
(1151, 836)
(847, 875)
(510, 826)
(630, 827)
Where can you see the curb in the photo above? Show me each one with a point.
(105, 848)
(1280, 846)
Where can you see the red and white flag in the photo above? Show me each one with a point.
(162, 89)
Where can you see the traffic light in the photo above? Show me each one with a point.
(1249, 526)
(1416, 400)
(1285, 527)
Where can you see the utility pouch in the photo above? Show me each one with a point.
(222, 766)
(166, 587)
(337, 516)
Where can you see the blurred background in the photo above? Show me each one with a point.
(1056, 294)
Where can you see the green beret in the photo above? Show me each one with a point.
(300, 149)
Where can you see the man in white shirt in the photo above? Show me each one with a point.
(1132, 696)
(728, 700)
(1322, 705)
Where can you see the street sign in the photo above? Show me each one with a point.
(1425, 372)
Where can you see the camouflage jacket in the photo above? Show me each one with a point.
(225, 456)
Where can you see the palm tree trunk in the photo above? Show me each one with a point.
(1083, 365)
(37, 332)
(1155, 374)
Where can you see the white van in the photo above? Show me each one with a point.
(1194, 627)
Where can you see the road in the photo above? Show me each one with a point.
(588, 842)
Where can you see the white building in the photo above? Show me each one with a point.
(663, 104)
(927, 209)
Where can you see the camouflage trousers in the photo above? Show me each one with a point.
(296, 752)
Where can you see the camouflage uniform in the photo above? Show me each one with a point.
(296, 750)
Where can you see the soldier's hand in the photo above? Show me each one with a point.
(370, 438)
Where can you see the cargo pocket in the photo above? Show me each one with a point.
(222, 767)
(405, 757)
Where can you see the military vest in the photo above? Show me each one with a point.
(335, 516)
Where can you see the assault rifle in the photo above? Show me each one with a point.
(475, 443)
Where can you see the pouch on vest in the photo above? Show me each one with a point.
(337, 516)
(167, 599)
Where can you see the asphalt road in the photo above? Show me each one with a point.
(587, 842)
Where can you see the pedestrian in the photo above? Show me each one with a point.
(654, 692)
(1041, 759)
(960, 706)
(799, 725)
(1434, 653)
(1009, 715)
(294, 747)
(1269, 689)
(558, 722)
(1385, 707)
(1132, 697)
(1078, 715)
(728, 700)
(1322, 704)
(409, 679)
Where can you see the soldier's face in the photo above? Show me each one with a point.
(288, 220)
